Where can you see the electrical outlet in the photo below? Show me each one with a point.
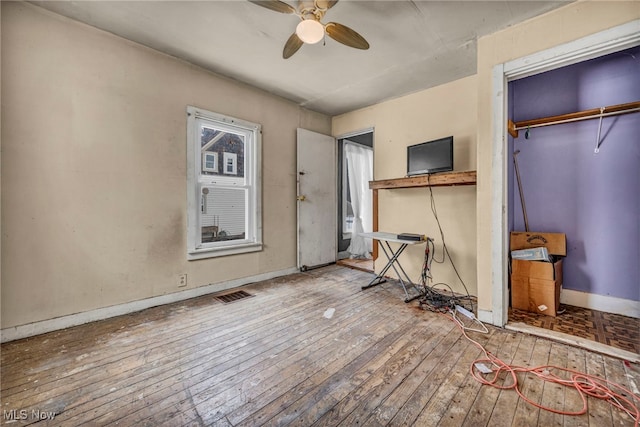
(182, 280)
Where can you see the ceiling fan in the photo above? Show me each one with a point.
(310, 30)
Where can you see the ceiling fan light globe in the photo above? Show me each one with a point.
(310, 31)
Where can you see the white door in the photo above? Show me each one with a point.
(317, 199)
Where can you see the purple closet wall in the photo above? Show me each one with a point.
(593, 198)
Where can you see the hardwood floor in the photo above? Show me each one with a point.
(358, 264)
(279, 358)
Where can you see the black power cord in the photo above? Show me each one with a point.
(438, 299)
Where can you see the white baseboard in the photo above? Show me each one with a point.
(41, 327)
(601, 303)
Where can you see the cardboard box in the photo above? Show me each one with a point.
(556, 243)
(535, 285)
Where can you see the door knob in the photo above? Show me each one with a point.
(301, 198)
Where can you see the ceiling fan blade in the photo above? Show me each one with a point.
(325, 4)
(346, 35)
(291, 46)
(275, 5)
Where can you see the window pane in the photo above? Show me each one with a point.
(228, 147)
(223, 214)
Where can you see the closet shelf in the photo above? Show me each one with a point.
(594, 113)
(436, 180)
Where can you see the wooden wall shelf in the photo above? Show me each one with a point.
(436, 180)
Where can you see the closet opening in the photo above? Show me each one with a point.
(579, 178)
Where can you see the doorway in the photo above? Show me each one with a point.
(609, 41)
(355, 205)
(586, 191)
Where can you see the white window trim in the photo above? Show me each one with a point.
(195, 181)
(215, 161)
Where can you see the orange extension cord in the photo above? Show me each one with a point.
(585, 384)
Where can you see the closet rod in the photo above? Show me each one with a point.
(594, 113)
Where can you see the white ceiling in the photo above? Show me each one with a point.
(415, 45)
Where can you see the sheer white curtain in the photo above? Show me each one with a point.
(359, 160)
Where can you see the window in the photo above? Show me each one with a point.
(209, 162)
(223, 200)
(230, 160)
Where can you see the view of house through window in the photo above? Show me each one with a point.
(224, 198)
(226, 184)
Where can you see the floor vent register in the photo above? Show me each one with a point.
(233, 296)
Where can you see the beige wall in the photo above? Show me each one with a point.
(450, 109)
(0, 165)
(564, 25)
(93, 169)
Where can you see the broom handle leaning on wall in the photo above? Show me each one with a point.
(524, 208)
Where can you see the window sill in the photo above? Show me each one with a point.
(227, 250)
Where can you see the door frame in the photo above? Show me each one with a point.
(599, 44)
(340, 176)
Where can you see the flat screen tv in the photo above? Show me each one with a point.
(430, 157)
